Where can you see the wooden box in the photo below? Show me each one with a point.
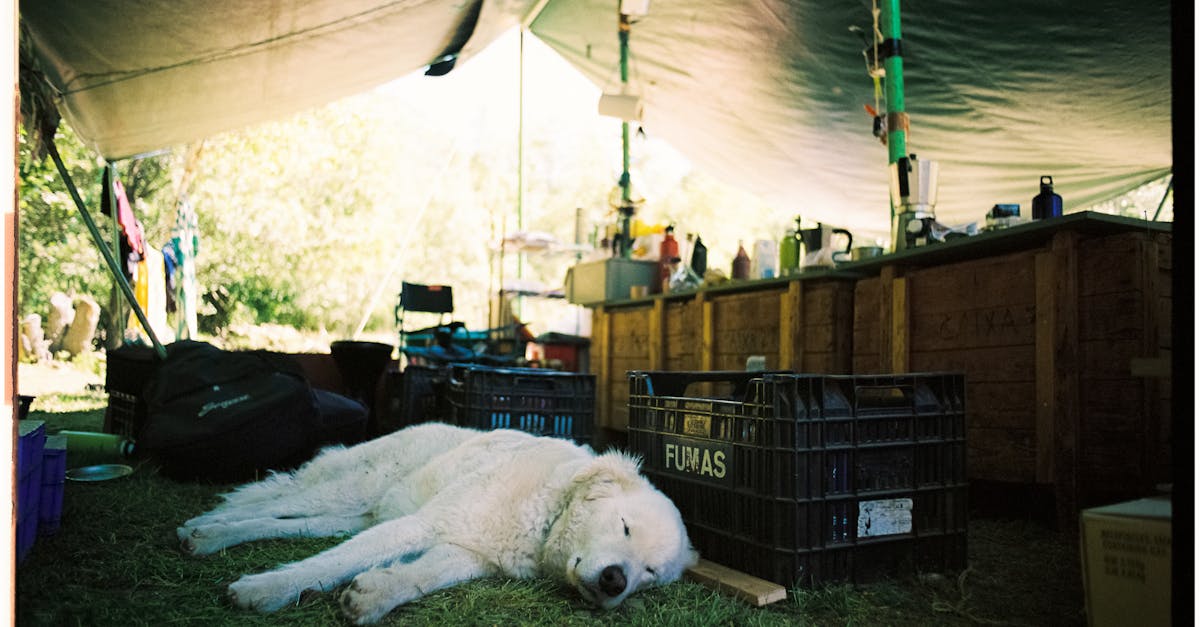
(801, 324)
(1065, 343)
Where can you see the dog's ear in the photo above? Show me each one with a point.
(607, 475)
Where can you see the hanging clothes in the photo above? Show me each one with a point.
(150, 290)
(186, 241)
(133, 239)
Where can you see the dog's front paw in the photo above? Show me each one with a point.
(372, 595)
(265, 592)
(197, 541)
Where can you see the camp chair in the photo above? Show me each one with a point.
(438, 299)
(445, 342)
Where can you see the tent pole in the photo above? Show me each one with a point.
(893, 83)
(1166, 194)
(520, 169)
(623, 27)
(104, 250)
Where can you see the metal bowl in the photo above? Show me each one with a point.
(99, 472)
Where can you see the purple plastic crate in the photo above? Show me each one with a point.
(26, 534)
(31, 439)
(54, 474)
(28, 494)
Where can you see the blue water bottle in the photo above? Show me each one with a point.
(1047, 204)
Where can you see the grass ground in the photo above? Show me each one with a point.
(114, 562)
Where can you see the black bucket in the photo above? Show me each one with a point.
(361, 364)
(23, 406)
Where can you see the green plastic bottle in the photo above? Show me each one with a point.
(789, 253)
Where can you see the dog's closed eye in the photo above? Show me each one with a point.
(626, 525)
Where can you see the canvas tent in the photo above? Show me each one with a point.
(768, 95)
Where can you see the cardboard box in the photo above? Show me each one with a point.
(597, 282)
(1126, 552)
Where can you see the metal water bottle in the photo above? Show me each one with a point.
(1046, 204)
(91, 443)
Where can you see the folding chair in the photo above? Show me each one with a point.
(438, 299)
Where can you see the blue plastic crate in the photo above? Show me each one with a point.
(534, 400)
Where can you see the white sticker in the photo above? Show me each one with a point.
(884, 517)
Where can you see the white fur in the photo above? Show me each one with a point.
(432, 505)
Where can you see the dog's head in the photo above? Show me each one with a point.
(618, 533)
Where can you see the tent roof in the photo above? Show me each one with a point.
(768, 95)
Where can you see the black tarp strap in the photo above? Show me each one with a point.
(105, 251)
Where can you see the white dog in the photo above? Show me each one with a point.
(432, 505)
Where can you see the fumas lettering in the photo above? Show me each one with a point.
(695, 460)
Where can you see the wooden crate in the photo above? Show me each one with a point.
(800, 324)
(1065, 345)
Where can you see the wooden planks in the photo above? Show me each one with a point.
(755, 591)
(798, 325)
(1066, 344)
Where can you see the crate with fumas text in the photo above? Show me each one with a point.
(805, 479)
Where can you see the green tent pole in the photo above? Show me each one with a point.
(626, 194)
(104, 250)
(893, 81)
(893, 85)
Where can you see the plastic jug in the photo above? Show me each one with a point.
(1046, 204)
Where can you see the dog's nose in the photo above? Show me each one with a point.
(612, 580)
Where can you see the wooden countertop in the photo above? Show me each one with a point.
(1012, 239)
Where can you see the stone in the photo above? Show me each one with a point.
(78, 338)
(62, 312)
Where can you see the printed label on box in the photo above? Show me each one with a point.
(884, 517)
(697, 424)
(697, 458)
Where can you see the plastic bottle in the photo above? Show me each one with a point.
(741, 263)
(668, 251)
(1046, 204)
(789, 253)
(699, 257)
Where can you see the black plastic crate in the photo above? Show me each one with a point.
(128, 369)
(419, 394)
(535, 400)
(805, 479)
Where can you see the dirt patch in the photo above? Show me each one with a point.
(54, 377)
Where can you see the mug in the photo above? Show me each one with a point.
(860, 253)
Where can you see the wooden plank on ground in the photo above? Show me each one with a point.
(757, 592)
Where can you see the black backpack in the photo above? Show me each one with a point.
(231, 415)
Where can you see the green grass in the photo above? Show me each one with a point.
(115, 562)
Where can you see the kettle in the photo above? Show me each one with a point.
(820, 238)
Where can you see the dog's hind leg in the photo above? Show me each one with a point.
(208, 539)
(380, 545)
(332, 499)
(376, 592)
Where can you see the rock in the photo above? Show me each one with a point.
(78, 338)
(33, 339)
(62, 312)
